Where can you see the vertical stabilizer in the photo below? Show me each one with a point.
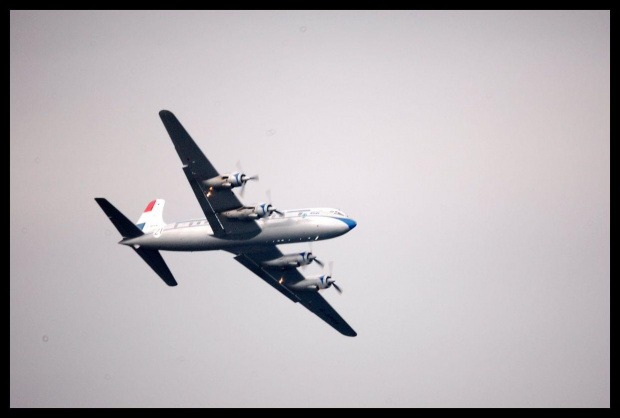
(152, 217)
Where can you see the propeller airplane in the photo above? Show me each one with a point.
(251, 233)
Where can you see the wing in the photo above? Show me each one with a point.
(252, 257)
(197, 169)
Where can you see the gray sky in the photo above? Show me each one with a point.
(472, 148)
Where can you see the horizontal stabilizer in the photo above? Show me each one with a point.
(120, 221)
(154, 259)
(129, 230)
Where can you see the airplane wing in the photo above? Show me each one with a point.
(252, 257)
(197, 169)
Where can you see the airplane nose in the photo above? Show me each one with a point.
(350, 222)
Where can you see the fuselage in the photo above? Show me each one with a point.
(294, 226)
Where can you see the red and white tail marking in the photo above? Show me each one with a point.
(152, 218)
(149, 207)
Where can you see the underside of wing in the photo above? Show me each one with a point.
(198, 170)
(253, 257)
(312, 300)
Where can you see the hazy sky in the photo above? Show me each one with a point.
(472, 148)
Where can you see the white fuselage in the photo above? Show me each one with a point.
(294, 226)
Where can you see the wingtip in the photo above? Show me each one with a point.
(349, 333)
(164, 113)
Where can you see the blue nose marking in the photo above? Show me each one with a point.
(350, 222)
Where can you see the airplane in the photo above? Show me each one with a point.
(251, 233)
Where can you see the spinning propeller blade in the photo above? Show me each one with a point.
(333, 282)
(319, 262)
(245, 178)
(273, 209)
(337, 288)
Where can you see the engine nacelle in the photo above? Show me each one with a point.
(282, 262)
(262, 210)
(290, 261)
(325, 281)
(226, 181)
(313, 283)
(241, 214)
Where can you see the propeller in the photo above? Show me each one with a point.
(319, 262)
(244, 178)
(269, 205)
(312, 257)
(337, 288)
(332, 281)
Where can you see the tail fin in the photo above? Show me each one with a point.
(129, 230)
(152, 217)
